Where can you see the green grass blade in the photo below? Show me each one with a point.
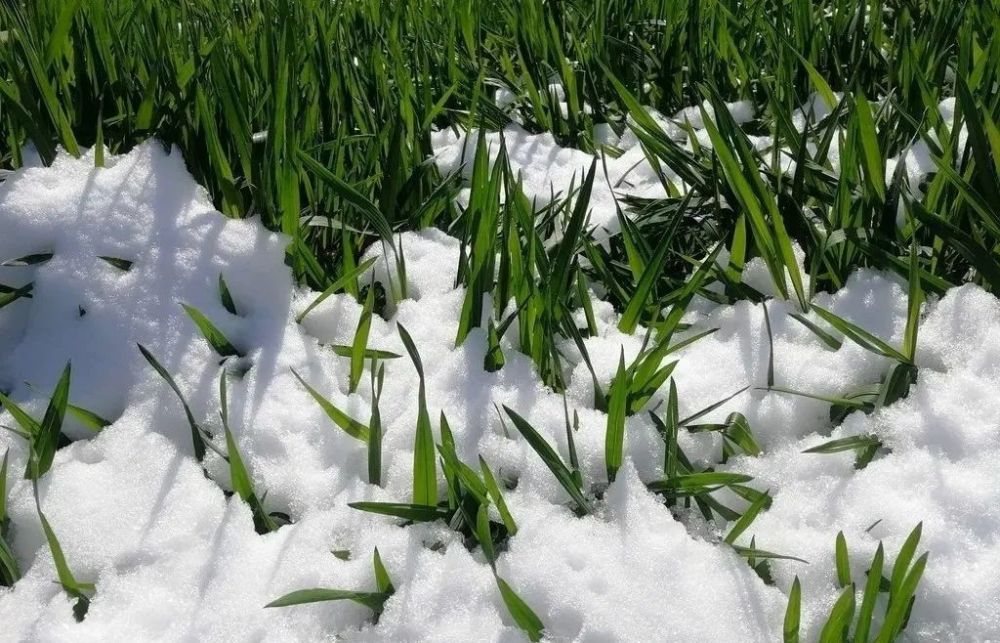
(424, 467)
(45, 442)
(350, 426)
(215, 337)
(522, 614)
(551, 460)
(790, 629)
(337, 285)
(197, 438)
(842, 560)
(871, 595)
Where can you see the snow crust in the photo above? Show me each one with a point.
(174, 559)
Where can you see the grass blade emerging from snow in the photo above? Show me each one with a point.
(424, 467)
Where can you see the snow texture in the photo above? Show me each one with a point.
(174, 559)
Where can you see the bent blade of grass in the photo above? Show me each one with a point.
(197, 437)
(551, 460)
(215, 337)
(44, 443)
(226, 297)
(351, 196)
(372, 600)
(350, 426)
(238, 474)
(741, 525)
(424, 461)
(521, 612)
(361, 341)
(407, 511)
(89, 419)
(67, 580)
(494, 491)
(343, 282)
(860, 336)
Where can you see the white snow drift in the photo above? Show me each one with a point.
(173, 559)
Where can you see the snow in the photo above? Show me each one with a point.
(174, 559)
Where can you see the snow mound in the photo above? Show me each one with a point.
(174, 559)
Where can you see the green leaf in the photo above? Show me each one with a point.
(406, 511)
(870, 596)
(350, 426)
(226, 297)
(238, 474)
(860, 336)
(89, 419)
(484, 536)
(382, 580)
(614, 436)
(46, 440)
(494, 491)
(375, 429)
(873, 164)
(842, 561)
(850, 443)
(10, 295)
(522, 614)
(122, 264)
(792, 613)
(826, 337)
(197, 438)
(372, 600)
(900, 602)
(9, 570)
(343, 350)
(424, 467)
(215, 337)
(696, 483)
(915, 297)
(339, 284)
(350, 196)
(839, 621)
(551, 459)
(741, 525)
(361, 341)
(68, 582)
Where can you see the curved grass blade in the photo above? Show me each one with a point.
(372, 600)
(551, 460)
(339, 284)
(860, 336)
(44, 443)
(424, 467)
(226, 297)
(350, 426)
(215, 337)
(522, 614)
(197, 437)
(406, 511)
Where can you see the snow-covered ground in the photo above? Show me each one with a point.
(173, 559)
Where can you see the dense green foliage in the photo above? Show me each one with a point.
(316, 116)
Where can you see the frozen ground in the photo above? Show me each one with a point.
(173, 559)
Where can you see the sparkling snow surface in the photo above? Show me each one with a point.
(173, 559)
